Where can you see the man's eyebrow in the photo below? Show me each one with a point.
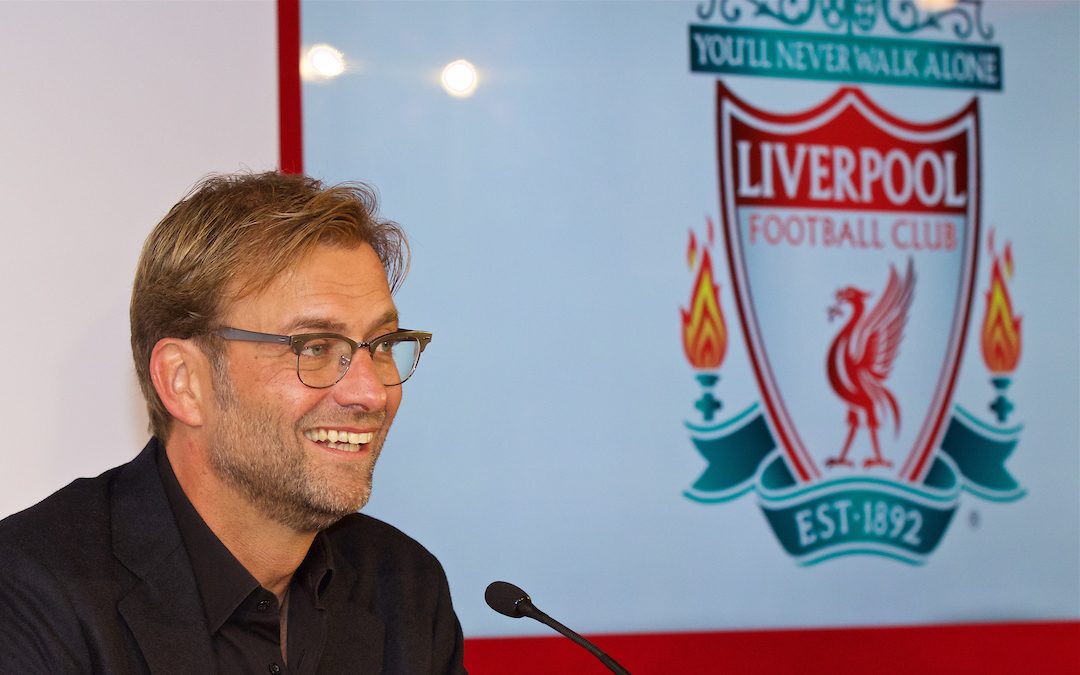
(324, 325)
(390, 317)
(314, 323)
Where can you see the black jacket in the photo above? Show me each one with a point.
(95, 579)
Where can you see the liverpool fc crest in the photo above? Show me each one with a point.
(852, 239)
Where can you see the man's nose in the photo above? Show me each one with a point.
(361, 385)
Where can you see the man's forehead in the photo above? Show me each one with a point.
(332, 289)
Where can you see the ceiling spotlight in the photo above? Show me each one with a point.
(322, 62)
(935, 5)
(459, 78)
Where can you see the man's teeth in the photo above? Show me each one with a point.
(340, 440)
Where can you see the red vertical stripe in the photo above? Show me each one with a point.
(290, 118)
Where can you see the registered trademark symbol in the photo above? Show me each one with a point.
(973, 519)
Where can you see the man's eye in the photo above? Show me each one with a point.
(386, 346)
(315, 349)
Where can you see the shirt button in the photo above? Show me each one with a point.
(262, 607)
(275, 669)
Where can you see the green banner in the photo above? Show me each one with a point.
(844, 58)
(818, 521)
(854, 514)
(979, 451)
(734, 450)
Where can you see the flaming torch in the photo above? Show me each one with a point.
(1000, 329)
(703, 330)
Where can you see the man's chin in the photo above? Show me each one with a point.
(312, 520)
(317, 516)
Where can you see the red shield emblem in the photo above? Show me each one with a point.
(851, 238)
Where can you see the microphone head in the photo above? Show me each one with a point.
(505, 598)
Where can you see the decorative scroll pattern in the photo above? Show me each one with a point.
(855, 17)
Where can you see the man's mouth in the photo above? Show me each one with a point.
(338, 439)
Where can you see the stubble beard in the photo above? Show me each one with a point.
(250, 452)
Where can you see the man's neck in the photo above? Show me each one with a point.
(270, 551)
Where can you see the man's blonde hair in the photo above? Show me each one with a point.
(235, 234)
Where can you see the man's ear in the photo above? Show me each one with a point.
(181, 375)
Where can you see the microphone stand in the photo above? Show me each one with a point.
(526, 608)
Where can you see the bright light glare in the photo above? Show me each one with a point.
(459, 78)
(935, 5)
(322, 62)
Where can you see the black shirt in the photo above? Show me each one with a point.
(243, 618)
(96, 579)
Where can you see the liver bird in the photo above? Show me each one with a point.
(862, 355)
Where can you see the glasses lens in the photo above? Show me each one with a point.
(395, 358)
(323, 361)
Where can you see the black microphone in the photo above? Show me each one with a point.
(506, 598)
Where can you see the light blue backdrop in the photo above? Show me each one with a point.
(542, 440)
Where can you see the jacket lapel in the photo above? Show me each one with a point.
(163, 609)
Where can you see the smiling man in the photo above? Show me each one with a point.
(267, 346)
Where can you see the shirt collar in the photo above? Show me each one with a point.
(317, 571)
(222, 580)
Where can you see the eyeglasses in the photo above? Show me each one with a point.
(322, 359)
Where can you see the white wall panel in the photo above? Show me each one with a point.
(109, 112)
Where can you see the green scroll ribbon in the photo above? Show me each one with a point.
(979, 451)
(863, 514)
(854, 514)
(734, 450)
